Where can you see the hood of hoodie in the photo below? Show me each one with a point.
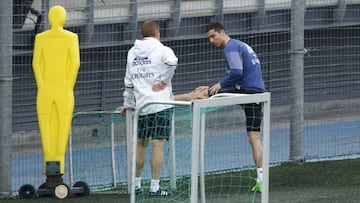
(146, 45)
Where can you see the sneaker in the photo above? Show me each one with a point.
(160, 193)
(138, 190)
(257, 187)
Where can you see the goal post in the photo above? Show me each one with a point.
(89, 117)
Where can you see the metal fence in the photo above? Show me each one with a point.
(107, 28)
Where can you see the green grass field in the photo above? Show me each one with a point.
(318, 182)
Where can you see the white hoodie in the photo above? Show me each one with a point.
(148, 62)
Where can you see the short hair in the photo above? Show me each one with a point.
(217, 26)
(149, 28)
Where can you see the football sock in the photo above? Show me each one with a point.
(259, 172)
(137, 182)
(154, 186)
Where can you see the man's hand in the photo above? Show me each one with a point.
(214, 89)
(159, 86)
(123, 111)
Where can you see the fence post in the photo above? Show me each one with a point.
(297, 80)
(45, 7)
(6, 30)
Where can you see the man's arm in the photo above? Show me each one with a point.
(129, 94)
(199, 93)
(170, 62)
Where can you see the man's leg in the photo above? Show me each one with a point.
(200, 92)
(257, 153)
(256, 146)
(156, 163)
(253, 114)
(140, 161)
(163, 123)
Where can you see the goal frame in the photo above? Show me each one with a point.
(198, 137)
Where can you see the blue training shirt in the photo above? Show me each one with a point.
(243, 68)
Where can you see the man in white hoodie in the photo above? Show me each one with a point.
(149, 70)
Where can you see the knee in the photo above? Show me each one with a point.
(254, 138)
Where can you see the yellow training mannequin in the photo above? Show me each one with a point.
(56, 63)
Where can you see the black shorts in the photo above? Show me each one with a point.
(156, 125)
(253, 111)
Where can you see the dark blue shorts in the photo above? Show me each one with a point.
(156, 125)
(253, 111)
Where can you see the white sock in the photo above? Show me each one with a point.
(259, 172)
(155, 185)
(137, 182)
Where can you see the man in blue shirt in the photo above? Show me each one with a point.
(243, 75)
